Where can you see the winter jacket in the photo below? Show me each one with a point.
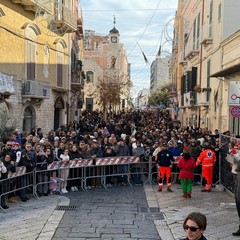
(122, 150)
(29, 160)
(165, 158)
(186, 168)
(9, 167)
(194, 150)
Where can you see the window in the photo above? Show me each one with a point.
(196, 32)
(89, 76)
(31, 49)
(210, 19)
(59, 70)
(219, 12)
(208, 78)
(59, 10)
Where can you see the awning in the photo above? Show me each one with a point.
(227, 71)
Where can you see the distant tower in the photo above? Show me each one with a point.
(114, 33)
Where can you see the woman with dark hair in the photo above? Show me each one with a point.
(186, 164)
(194, 225)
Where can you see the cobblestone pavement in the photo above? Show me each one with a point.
(121, 212)
(218, 206)
(118, 213)
(34, 219)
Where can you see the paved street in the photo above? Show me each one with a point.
(117, 213)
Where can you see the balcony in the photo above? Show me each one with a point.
(64, 15)
(206, 38)
(35, 92)
(202, 99)
(172, 91)
(33, 5)
(77, 81)
(61, 16)
(188, 100)
(181, 58)
(191, 50)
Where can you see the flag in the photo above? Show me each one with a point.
(159, 51)
(145, 58)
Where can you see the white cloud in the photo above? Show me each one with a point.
(132, 20)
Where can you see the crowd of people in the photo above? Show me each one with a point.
(135, 133)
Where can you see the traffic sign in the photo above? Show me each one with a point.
(235, 111)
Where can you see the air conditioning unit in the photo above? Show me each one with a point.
(32, 88)
(29, 88)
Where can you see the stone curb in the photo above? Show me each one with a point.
(51, 225)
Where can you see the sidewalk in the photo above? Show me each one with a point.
(34, 219)
(219, 207)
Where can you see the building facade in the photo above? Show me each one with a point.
(159, 72)
(205, 46)
(105, 57)
(40, 47)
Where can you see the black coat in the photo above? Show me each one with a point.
(29, 160)
(202, 238)
(9, 167)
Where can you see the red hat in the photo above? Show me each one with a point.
(185, 149)
(15, 144)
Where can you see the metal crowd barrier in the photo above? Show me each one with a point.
(18, 181)
(134, 169)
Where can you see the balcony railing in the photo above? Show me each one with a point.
(32, 5)
(191, 50)
(35, 89)
(202, 99)
(62, 15)
(206, 36)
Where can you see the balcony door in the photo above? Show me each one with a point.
(29, 119)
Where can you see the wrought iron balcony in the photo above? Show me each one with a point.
(34, 92)
(59, 15)
(33, 5)
(35, 89)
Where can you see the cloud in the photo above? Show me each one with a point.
(137, 21)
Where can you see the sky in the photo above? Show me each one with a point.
(143, 27)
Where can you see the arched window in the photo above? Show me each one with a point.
(89, 76)
(60, 46)
(31, 32)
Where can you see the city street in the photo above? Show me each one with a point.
(121, 212)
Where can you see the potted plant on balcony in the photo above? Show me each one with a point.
(197, 88)
(207, 89)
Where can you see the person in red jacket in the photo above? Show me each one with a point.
(186, 164)
(208, 158)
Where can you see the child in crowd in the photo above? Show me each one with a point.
(64, 172)
(54, 185)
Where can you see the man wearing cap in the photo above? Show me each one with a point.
(208, 159)
(165, 161)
